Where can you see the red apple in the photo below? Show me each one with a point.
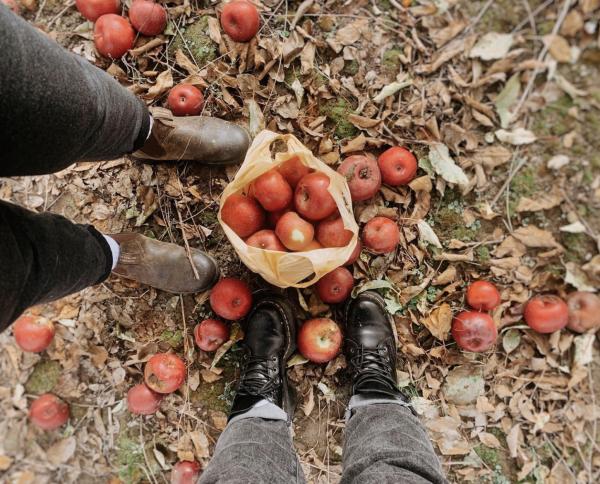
(185, 99)
(398, 166)
(363, 176)
(240, 20)
(185, 472)
(474, 331)
(231, 299)
(584, 311)
(355, 253)
(319, 340)
(210, 334)
(148, 18)
(294, 232)
(331, 232)
(272, 191)
(143, 401)
(93, 9)
(113, 35)
(336, 286)
(312, 199)
(273, 217)
(381, 235)
(266, 240)
(293, 170)
(546, 313)
(33, 333)
(164, 372)
(314, 245)
(483, 296)
(48, 412)
(243, 215)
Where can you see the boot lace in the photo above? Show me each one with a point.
(372, 364)
(256, 379)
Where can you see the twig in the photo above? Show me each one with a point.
(147, 46)
(507, 182)
(530, 15)
(479, 16)
(538, 9)
(302, 8)
(187, 245)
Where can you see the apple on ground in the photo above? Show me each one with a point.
(363, 176)
(164, 372)
(474, 331)
(231, 298)
(319, 340)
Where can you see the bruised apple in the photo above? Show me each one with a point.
(143, 401)
(546, 313)
(32, 333)
(312, 199)
(185, 472)
(319, 340)
(185, 100)
(584, 311)
(336, 286)
(272, 191)
(474, 331)
(113, 35)
(483, 296)
(331, 233)
(363, 176)
(293, 170)
(164, 372)
(240, 20)
(231, 298)
(294, 232)
(381, 235)
(398, 166)
(267, 240)
(210, 334)
(355, 253)
(147, 17)
(243, 215)
(48, 412)
(93, 9)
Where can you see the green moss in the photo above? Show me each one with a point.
(195, 41)
(577, 246)
(483, 253)
(449, 224)
(523, 184)
(337, 111)
(130, 459)
(44, 377)
(390, 62)
(488, 455)
(554, 120)
(351, 68)
(172, 338)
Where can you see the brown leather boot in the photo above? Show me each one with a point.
(163, 265)
(198, 138)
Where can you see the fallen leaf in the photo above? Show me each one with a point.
(533, 236)
(518, 136)
(578, 278)
(489, 440)
(464, 384)
(557, 162)
(584, 346)
(542, 201)
(391, 89)
(574, 228)
(511, 340)
(507, 97)
(439, 321)
(444, 165)
(427, 234)
(61, 451)
(558, 47)
(164, 82)
(492, 45)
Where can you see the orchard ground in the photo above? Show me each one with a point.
(529, 220)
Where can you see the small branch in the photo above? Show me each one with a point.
(507, 182)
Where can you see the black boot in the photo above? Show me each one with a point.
(269, 341)
(370, 348)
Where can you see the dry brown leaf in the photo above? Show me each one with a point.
(438, 322)
(61, 451)
(164, 82)
(185, 62)
(558, 47)
(362, 121)
(356, 144)
(489, 440)
(535, 237)
(541, 201)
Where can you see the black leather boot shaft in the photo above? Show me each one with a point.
(370, 347)
(269, 341)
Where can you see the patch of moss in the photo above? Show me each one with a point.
(554, 120)
(449, 224)
(523, 184)
(195, 41)
(130, 459)
(488, 455)
(483, 253)
(44, 377)
(390, 62)
(337, 111)
(577, 246)
(350, 68)
(207, 395)
(172, 338)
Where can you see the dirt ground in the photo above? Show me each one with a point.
(499, 100)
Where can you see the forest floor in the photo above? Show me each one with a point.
(499, 100)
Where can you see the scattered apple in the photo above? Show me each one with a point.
(336, 286)
(398, 166)
(312, 199)
(381, 235)
(355, 253)
(294, 232)
(185, 99)
(272, 191)
(48, 412)
(143, 401)
(483, 296)
(33, 333)
(331, 232)
(185, 472)
(546, 313)
(93, 9)
(231, 298)
(363, 176)
(266, 240)
(164, 372)
(584, 311)
(293, 170)
(243, 215)
(240, 20)
(147, 17)
(113, 35)
(314, 245)
(474, 331)
(210, 334)
(319, 340)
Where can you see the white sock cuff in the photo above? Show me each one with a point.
(114, 248)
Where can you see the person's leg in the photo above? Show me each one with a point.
(256, 445)
(384, 441)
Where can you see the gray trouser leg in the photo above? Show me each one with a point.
(386, 443)
(254, 450)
